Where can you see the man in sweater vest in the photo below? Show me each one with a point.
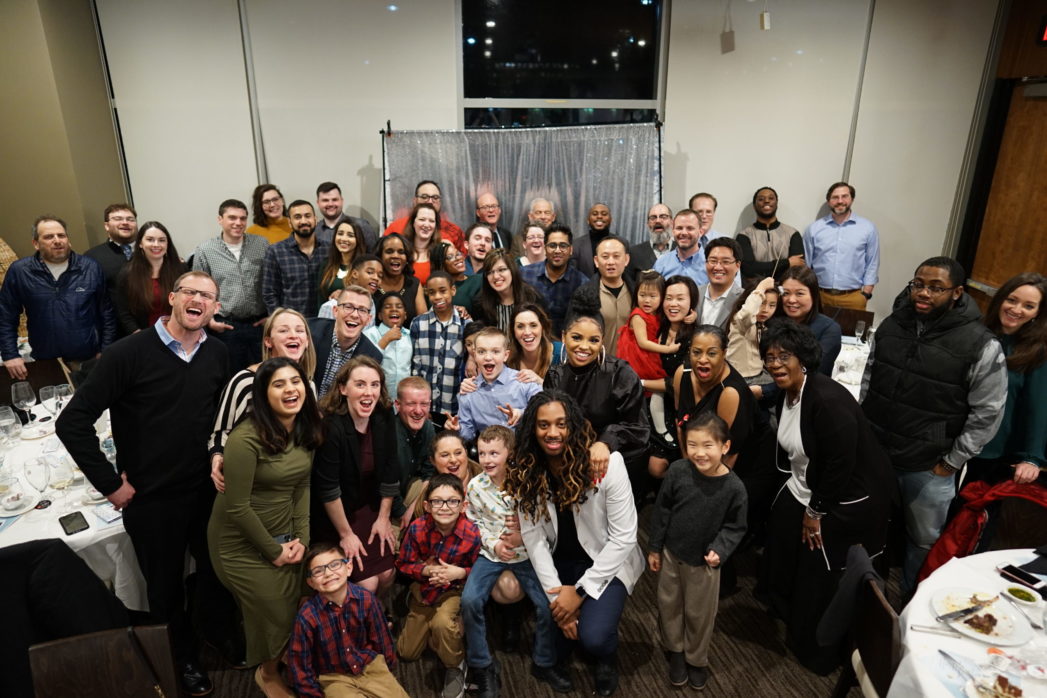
(161, 387)
(934, 391)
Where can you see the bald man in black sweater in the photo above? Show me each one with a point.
(161, 387)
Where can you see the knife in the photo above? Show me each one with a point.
(957, 665)
(934, 629)
(956, 615)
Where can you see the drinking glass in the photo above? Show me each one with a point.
(37, 474)
(24, 397)
(47, 399)
(63, 391)
(61, 474)
(859, 331)
(10, 425)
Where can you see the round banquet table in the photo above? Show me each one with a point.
(923, 671)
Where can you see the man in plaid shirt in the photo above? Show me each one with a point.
(438, 551)
(291, 268)
(438, 345)
(340, 638)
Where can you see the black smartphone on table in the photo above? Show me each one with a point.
(73, 523)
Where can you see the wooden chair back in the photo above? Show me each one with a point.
(848, 318)
(877, 636)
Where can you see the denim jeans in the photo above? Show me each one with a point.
(478, 585)
(925, 504)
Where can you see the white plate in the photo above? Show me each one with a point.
(1011, 629)
(29, 502)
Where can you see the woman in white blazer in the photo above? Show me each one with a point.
(580, 534)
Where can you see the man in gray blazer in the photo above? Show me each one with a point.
(716, 299)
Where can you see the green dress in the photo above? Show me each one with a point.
(266, 495)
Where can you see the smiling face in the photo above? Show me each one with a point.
(785, 369)
(1021, 307)
(558, 250)
(534, 241)
(582, 342)
(52, 242)
(392, 313)
(677, 302)
(272, 204)
(454, 261)
(394, 257)
(599, 217)
(686, 233)
(542, 213)
(428, 193)
(611, 260)
(705, 451)
(550, 429)
(765, 203)
(796, 300)
(303, 220)
(345, 238)
(490, 352)
(330, 204)
(349, 322)
(412, 406)
(500, 278)
(707, 358)
(368, 275)
(286, 393)
(440, 294)
(424, 226)
(287, 336)
(120, 226)
(493, 455)
(439, 505)
(449, 456)
(330, 582)
(233, 223)
(361, 391)
(478, 245)
(840, 200)
(721, 266)
(648, 298)
(193, 312)
(154, 244)
(528, 331)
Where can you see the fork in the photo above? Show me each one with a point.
(1034, 624)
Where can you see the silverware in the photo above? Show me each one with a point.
(957, 665)
(956, 615)
(934, 629)
(1034, 624)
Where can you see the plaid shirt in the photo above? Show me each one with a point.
(438, 357)
(335, 361)
(556, 294)
(424, 542)
(332, 639)
(289, 278)
(239, 280)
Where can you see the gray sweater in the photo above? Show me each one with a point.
(695, 514)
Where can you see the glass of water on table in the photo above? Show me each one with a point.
(10, 425)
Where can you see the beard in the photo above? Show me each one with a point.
(661, 238)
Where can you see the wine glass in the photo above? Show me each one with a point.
(10, 425)
(24, 397)
(859, 331)
(63, 391)
(47, 399)
(37, 474)
(61, 474)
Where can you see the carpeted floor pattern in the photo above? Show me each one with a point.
(748, 655)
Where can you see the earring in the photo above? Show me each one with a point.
(603, 355)
(803, 370)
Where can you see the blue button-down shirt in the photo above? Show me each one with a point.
(173, 344)
(694, 266)
(479, 409)
(557, 294)
(844, 256)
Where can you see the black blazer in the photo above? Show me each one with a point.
(322, 329)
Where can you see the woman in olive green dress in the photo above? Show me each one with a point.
(259, 526)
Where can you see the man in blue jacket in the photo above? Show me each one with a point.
(64, 298)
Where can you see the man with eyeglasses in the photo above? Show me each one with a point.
(934, 389)
(234, 259)
(428, 192)
(64, 297)
(844, 251)
(161, 387)
(121, 228)
(330, 202)
(717, 298)
(555, 279)
(643, 255)
(489, 213)
(342, 338)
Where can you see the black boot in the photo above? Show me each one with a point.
(486, 680)
(605, 676)
(556, 676)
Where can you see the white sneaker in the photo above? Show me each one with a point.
(454, 682)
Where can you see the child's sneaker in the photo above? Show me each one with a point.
(454, 682)
(697, 677)
(677, 668)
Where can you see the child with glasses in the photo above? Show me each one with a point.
(340, 643)
(438, 551)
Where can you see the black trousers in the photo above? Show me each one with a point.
(162, 530)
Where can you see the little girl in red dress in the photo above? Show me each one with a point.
(638, 339)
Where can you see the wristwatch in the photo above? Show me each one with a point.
(868, 296)
(580, 590)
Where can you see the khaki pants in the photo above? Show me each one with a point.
(439, 626)
(376, 681)
(688, 596)
(853, 300)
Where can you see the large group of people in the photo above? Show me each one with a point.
(455, 418)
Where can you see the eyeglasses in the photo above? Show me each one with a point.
(349, 309)
(718, 262)
(192, 292)
(485, 207)
(558, 245)
(499, 271)
(444, 503)
(321, 570)
(781, 359)
(915, 286)
(427, 197)
(270, 202)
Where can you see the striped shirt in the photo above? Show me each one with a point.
(239, 279)
(438, 357)
(233, 405)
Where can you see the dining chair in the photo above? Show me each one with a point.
(876, 636)
(132, 662)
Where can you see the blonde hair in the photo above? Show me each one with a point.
(308, 360)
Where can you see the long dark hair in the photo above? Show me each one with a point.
(139, 281)
(334, 262)
(1030, 342)
(528, 478)
(686, 330)
(408, 251)
(489, 299)
(805, 275)
(438, 258)
(545, 346)
(408, 233)
(306, 432)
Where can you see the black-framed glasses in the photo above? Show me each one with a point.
(915, 286)
(780, 359)
(445, 503)
(349, 309)
(321, 570)
(428, 197)
(558, 245)
(191, 292)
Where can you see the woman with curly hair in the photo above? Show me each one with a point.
(837, 495)
(531, 348)
(579, 533)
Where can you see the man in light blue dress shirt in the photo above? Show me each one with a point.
(694, 226)
(844, 251)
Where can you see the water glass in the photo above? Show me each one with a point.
(24, 397)
(859, 332)
(63, 391)
(10, 425)
(37, 474)
(47, 398)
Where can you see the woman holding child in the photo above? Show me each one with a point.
(259, 525)
(355, 474)
(580, 535)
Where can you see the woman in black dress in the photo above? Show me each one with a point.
(355, 473)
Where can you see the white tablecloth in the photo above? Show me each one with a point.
(105, 547)
(923, 672)
(850, 365)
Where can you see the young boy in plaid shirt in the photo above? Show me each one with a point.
(340, 644)
(438, 347)
(438, 551)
